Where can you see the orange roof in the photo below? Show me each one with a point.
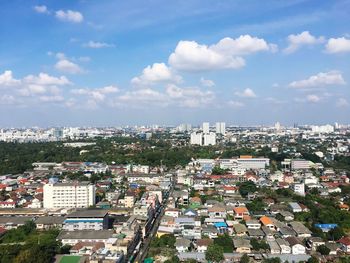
(344, 206)
(266, 220)
(240, 210)
(246, 157)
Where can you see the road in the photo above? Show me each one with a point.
(142, 253)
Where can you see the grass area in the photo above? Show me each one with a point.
(70, 259)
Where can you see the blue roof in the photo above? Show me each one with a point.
(326, 226)
(220, 224)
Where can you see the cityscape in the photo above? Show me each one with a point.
(210, 131)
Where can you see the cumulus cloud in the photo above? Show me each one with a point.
(69, 16)
(313, 98)
(189, 97)
(172, 95)
(41, 9)
(338, 45)
(207, 82)
(46, 79)
(7, 79)
(158, 72)
(226, 54)
(341, 102)
(67, 66)
(303, 39)
(247, 93)
(322, 79)
(96, 95)
(93, 44)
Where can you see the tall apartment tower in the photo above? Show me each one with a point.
(221, 128)
(205, 127)
(69, 195)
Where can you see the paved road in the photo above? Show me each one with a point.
(147, 241)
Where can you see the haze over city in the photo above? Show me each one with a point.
(106, 63)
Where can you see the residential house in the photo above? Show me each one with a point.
(284, 246)
(266, 221)
(240, 213)
(202, 244)
(182, 244)
(242, 245)
(253, 224)
(345, 244)
(296, 245)
(274, 247)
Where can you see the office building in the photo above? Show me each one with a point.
(69, 195)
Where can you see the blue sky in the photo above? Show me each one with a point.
(107, 62)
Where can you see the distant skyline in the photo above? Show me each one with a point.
(114, 63)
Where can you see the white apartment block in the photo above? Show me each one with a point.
(220, 128)
(205, 127)
(209, 139)
(196, 138)
(69, 195)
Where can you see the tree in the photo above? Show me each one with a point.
(244, 259)
(225, 241)
(323, 249)
(313, 259)
(214, 253)
(336, 233)
(272, 260)
(247, 187)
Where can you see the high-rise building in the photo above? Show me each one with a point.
(221, 128)
(209, 139)
(69, 195)
(205, 127)
(196, 138)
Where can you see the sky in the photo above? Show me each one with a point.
(114, 62)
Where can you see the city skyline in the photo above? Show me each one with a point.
(112, 63)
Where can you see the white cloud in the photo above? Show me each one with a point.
(158, 72)
(7, 79)
(207, 82)
(226, 54)
(93, 44)
(189, 97)
(313, 98)
(338, 45)
(46, 79)
(243, 45)
(41, 9)
(96, 95)
(55, 98)
(303, 39)
(341, 102)
(143, 96)
(68, 66)
(236, 104)
(322, 79)
(247, 93)
(69, 16)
